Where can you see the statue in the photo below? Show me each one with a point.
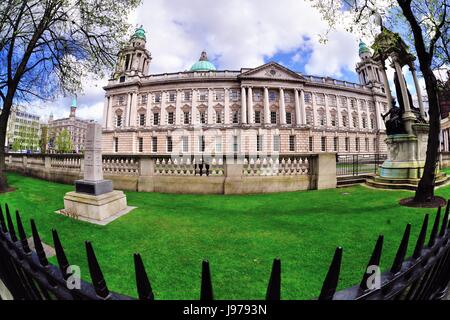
(394, 125)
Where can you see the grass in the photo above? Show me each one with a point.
(239, 235)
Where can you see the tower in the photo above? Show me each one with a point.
(73, 108)
(368, 69)
(134, 59)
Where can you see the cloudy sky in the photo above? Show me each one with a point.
(236, 34)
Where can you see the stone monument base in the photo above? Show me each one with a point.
(94, 207)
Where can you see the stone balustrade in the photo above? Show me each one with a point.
(190, 174)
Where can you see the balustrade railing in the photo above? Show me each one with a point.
(278, 166)
(66, 163)
(121, 165)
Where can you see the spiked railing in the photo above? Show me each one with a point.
(28, 275)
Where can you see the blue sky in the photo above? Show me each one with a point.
(236, 34)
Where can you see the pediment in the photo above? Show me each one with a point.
(274, 71)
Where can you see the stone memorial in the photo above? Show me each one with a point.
(406, 125)
(94, 198)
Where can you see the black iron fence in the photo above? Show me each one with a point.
(28, 275)
(358, 164)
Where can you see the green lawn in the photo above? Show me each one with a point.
(239, 235)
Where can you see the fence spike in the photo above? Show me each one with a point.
(421, 239)
(374, 261)
(206, 292)
(332, 278)
(2, 221)
(143, 285)
(444, 221)
(434, 231)
(274, 288)
(98, 281)
(401, 252)
(12, 231)
(22, 234)
(60, 255)
(38, 245)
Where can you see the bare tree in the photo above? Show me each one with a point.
(48, 46)
(424, 24)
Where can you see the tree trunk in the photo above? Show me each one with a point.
(425, 189)
(3, 127)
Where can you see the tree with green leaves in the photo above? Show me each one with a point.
(43, 142)
(63, 142)
(424, 25)
(48, 47)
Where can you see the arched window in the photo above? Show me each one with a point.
(119, 120)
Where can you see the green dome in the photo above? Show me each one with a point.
(203, 64)
(363, 48)
(139, 33)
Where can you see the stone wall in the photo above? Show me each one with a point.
(262, 174)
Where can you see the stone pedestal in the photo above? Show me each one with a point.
(95, 207)
(406, 160)
(94, 199)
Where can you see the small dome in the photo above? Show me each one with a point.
(139, 33)
(363, 48)
(203, 64)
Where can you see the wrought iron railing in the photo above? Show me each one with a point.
(28, 275)
(358, 164)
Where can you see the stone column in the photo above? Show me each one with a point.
(194, 110)
(163, 108)
(298, 116)
(178, 115)
(282, 107)
(226, 109)
(403, 86)
(210, 119)
(105, 113)
(126, 120)
(302, 106)
(418, 91)
(266, 106)
(243, 106)
(133, 109)
(380, 122)
(110, 117)
(251, 114)
(387, 89)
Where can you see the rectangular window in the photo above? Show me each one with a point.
(118, 120)
(311, 144)
(235, 144)
(157, 97)
(375, 145)
(273, 117)
(169, 144)
(347, 144)
(276, 143)
(259, 139)
(218, 144)
(367, 144)
(172, 97)
(140, 144)
(154, 144)
(288, 117)
(156, 119)
(203, 95)
(170, 118)
(273, 96)
(320, 99)
(202, 117)
(186, 116)
(257, 116)
(185, 143)
(219, 117)
(219, 95)
(357, 144)
(116, 144)
(324, 143)
(235, 95)
(344, 120)
(201, 144)
(336, 144)
(142, 119)
(144, 99)
(187, 96)
(235, 117)
(308, 97)
(291, 143)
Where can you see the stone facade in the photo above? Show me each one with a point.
(75, 126)
(24, 131)
(268, 109)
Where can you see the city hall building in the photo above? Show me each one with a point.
(268, 109)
